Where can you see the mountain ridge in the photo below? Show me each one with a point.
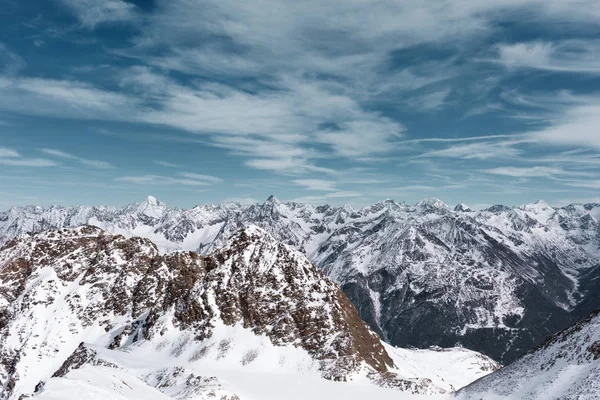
(253, 304)
(565, 366)
(478, 274)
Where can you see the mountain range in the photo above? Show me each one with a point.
(497, 281)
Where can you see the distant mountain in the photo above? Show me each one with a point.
(84, 311)
(463, 208)
(497, 281)
(566, 367)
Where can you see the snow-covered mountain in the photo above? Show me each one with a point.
(566, 367)
(498, 280)
(88, 313)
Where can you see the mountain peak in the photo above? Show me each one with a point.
(432, 203)
(498, 208)
(538, 206)
(272, 200)
(153, 201)
(542, 203)
(152, 207)
(462, 207)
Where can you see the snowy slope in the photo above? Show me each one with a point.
(566, 367)
(253, 306)
(512, 274)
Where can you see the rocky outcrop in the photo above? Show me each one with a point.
(60, 287)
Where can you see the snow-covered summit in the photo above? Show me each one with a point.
(152, 208)
(462, 207)
(431, 203)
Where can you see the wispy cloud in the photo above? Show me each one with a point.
(575, 56)
(430, 100)
(200, 177)
(590, 184)
(456, 139)
(10, 62)
(566, 118)
(316, 184)
(4, 152)
(525, 172)
(91, 13)
(288, 90)
(87, 162)
(578, 126)
(27, 162)
(167, 164)
(11, 157)
(183, 178)
(478, 150)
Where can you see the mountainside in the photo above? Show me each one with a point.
(566, 366)
(497, 281)
(104, 314)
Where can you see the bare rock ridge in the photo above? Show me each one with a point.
(61, 288)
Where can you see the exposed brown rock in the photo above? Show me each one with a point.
(254, 281)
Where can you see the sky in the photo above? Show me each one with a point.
(341, 102)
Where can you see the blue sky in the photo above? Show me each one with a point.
(199, 101)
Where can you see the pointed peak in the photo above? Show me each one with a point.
(539, 205)
(153, 201)
(272, 200)
(388, 204)
(462, 207)
(432, 203)
(152, 207)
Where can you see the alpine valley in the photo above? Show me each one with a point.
(220, 301)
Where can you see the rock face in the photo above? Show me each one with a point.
(61, 288)
(565, 366)
(497, 281)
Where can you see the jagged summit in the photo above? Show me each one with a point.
(153, 201)
(431, 204)
(272, 200)
(152, 208)
(498, 208)
(462, 207)
(539, 205)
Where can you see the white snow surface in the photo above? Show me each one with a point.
(566, 367)
(276, 373)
